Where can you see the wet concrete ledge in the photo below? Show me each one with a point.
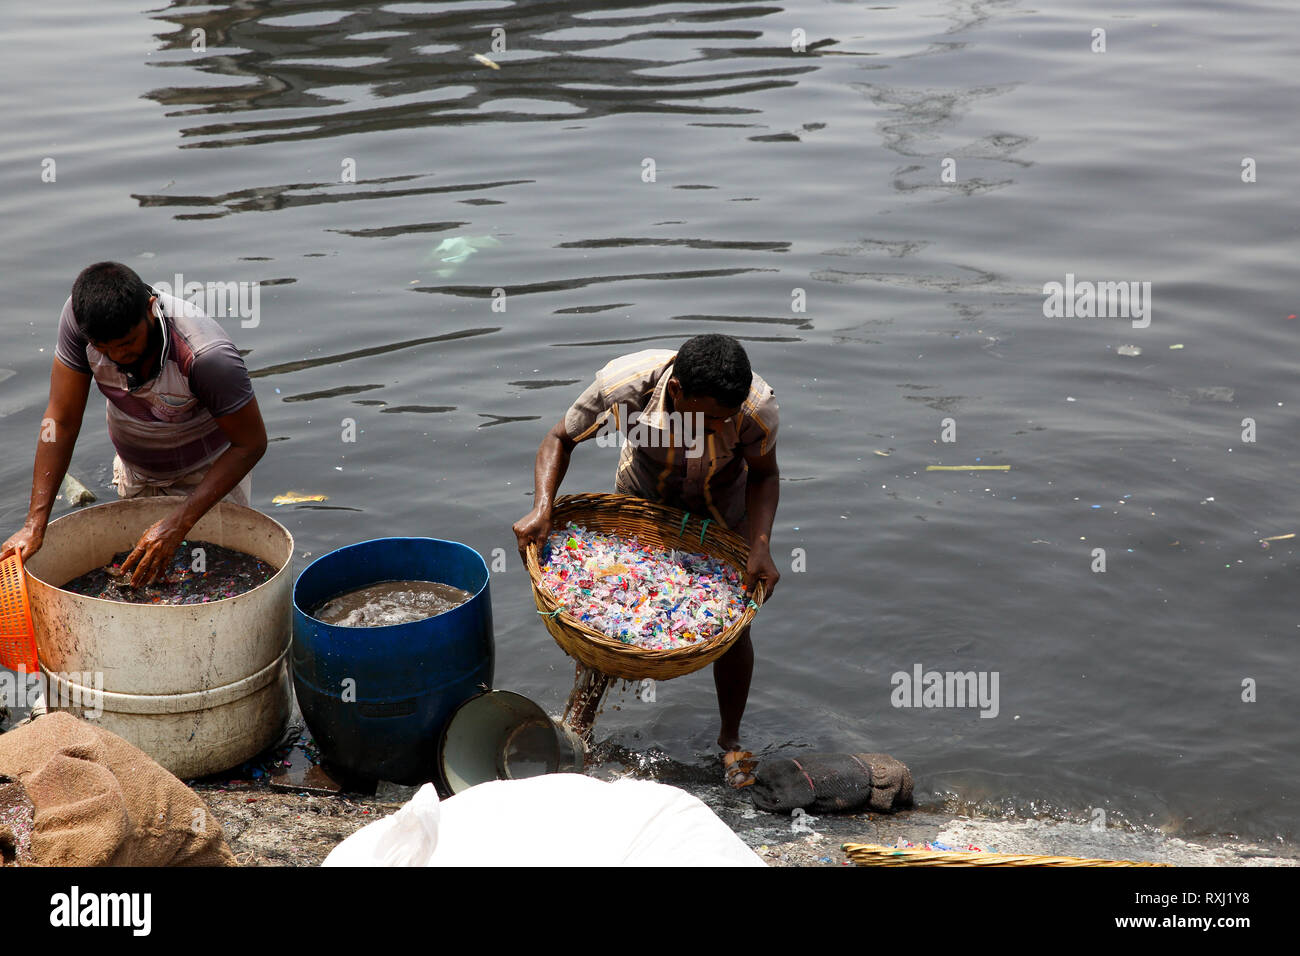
(267, 828)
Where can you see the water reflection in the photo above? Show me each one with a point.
(300, 364)
(290, 195)
(314, 70)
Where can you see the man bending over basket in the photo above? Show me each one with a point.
(724, 471)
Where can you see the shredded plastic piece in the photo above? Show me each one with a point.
(640, 594)
(934, 845)
(222, 573)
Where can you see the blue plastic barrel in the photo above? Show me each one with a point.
(377, 699)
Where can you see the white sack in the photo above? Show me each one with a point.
(563, 819)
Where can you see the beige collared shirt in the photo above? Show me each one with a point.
(662, 457)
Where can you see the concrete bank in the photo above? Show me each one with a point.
(267, 828)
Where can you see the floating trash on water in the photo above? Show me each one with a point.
(882, 454)
(1178, 346)
(1264, 542)
(967, 467)
(1215, 393)
(456, 249)
(479, 57)
(1129, 350)
(296, 497)
(74, 492)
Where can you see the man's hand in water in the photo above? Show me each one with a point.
(28, 539)
(532, 527)
(154, 551)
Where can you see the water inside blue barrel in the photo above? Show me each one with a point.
(390, 602)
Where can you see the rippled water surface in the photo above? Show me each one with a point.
(773, 171)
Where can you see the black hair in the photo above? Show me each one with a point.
(714, 366)
(109, 300)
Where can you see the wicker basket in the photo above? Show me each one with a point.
(652, 524)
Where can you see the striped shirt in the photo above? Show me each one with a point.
(661, 459)
(166, 427)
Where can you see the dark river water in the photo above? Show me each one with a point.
(644, 173)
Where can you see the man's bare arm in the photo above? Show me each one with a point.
(548, 471)
(761, 494)
(246, 433)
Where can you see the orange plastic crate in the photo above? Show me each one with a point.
(17, 637)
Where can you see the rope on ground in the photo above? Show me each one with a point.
(870, 854)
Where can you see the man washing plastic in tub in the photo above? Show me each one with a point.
(725, 470)
(181, 409)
